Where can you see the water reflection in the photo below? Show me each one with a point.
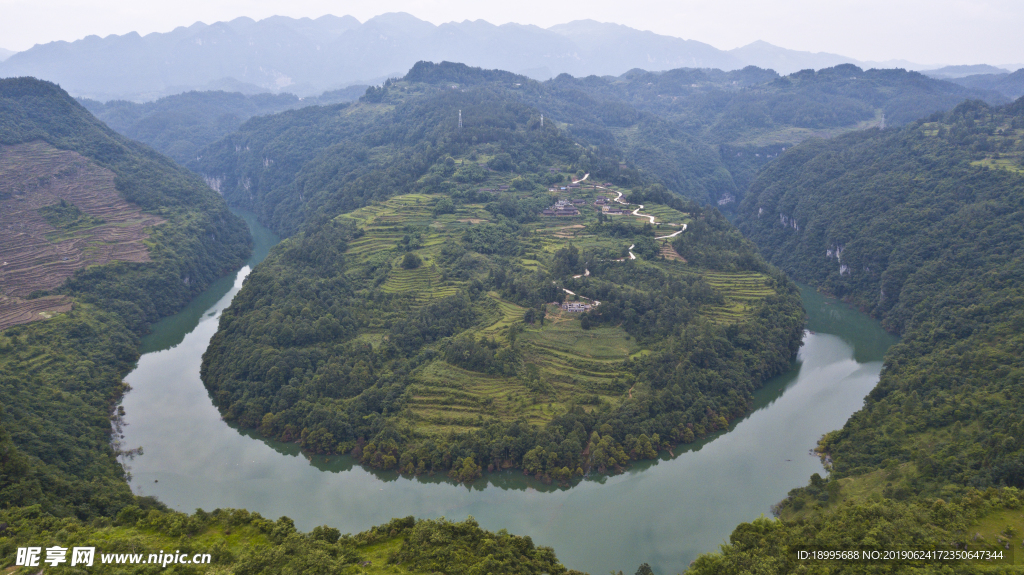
(663, 512)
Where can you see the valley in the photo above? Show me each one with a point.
(510, 299)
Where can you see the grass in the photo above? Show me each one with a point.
(667, 215)
(991, 529)
(1005, 163)
(562, 333)
(793, 135)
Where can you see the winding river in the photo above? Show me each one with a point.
(663, 512)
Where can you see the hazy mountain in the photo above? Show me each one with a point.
(1009, 85)
(5, 54)
(785, 61)
(948, 72)
(180, 125)
(306, 57)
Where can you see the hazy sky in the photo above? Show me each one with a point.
(922, 31)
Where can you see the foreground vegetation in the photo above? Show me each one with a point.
(422, 332)
(237, 541)
(913, 226)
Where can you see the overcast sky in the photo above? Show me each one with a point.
(922, 31)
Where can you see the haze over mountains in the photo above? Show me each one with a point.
(306, 56)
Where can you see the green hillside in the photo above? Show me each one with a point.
(415, 320)
(921, 226)
(180, 125)
(60, 377)
(702, 133)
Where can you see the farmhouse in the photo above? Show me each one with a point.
(576, 306)
(562, 208)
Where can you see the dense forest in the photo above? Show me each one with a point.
(702, 133)
(414, 319)
(922, 228)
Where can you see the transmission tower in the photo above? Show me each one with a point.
(542, 120)
(460, 119)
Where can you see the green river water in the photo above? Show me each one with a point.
(663, 512)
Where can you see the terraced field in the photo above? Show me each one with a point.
(562, 362)
(741, 291)
(666, 215)
(447, 398)
(670, 253)
(37, 255)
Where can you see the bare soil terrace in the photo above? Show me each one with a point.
(34, 254)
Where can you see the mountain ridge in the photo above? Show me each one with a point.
(308, 56)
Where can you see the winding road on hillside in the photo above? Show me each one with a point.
(632, 256)
(637, 213)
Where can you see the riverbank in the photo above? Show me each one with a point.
(667, 511)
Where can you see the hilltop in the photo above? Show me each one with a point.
(414, 318)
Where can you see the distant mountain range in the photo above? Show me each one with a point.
(951, 72)
(5, 54)
(307, 57)
(1009, 85)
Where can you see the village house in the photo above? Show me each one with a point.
(562, 208)
(576, 306)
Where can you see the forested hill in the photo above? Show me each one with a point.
(264, 159)
(702, 133)
(118, 236)
(753, 104)
(922, 227)
(178, 126)
(413, 318)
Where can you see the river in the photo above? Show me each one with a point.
(663, 512)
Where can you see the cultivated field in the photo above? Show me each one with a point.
(59, 213)
(562, 364)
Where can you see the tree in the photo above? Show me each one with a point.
(644, 569)
(411, 261)
(444, 206)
